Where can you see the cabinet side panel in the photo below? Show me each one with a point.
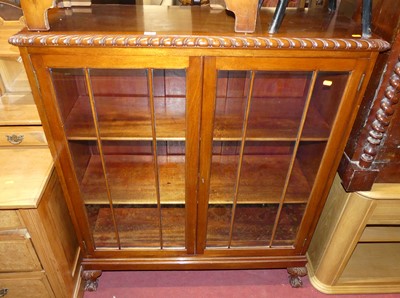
(341, 224)
(54, 239)
(330, 216)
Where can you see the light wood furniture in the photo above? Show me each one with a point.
(12, 72)
(183, 145)
(356, 245)
(17, 106)
(39, 252)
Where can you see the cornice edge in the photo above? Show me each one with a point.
(179, 41)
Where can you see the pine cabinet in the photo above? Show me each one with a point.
(39, 250)
(185, 146)
(364, 227)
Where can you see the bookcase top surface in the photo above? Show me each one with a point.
(185, 26)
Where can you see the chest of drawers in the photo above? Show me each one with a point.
(39, 252)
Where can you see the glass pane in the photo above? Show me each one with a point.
(144, 177)
(224, 166)
(102, 226)
(253, 224)
(171, 171)
(255, 178)
(327, 94)
(173, 225)
(122, 102)
(232, 92)
(231, 102)
(169, 90)
(218, 225)
(263, 172)
(90, 175)
(277, 104)
(144, 173)
(138, 225)
(76, 115)
(308, 158)
(130, 171)
(289, 223)
(73, 103)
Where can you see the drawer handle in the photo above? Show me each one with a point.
(3, 292)
(15, 140)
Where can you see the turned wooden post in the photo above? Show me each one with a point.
(35, 13)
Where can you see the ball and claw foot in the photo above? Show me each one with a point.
(295, 274)
(90, 278)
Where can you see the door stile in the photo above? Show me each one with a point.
(155, 159)
(242, 146)
(293, 158)
(103, 164)
(44, 94)
(206, 137)
(194, 84)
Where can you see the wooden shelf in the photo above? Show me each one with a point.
(261, 181)
(373, 263)
(127, 118)
(139, 227)
(170, 121)
(132, 180)
(253, 225)
(269, 119)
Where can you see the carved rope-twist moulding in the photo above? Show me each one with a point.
(382, 118)
(171, 41)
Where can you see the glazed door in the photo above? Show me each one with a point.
(131, 132)
(269, 137)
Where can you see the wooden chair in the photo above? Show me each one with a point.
(282, 4)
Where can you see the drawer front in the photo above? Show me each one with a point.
(22, 136)
(9, 219)
(387, 212)
(32, 285)
(17, 253)
(381, 233)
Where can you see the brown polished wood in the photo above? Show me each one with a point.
(245, 14)
(35, 13)
(372, 153)
(183, 145)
